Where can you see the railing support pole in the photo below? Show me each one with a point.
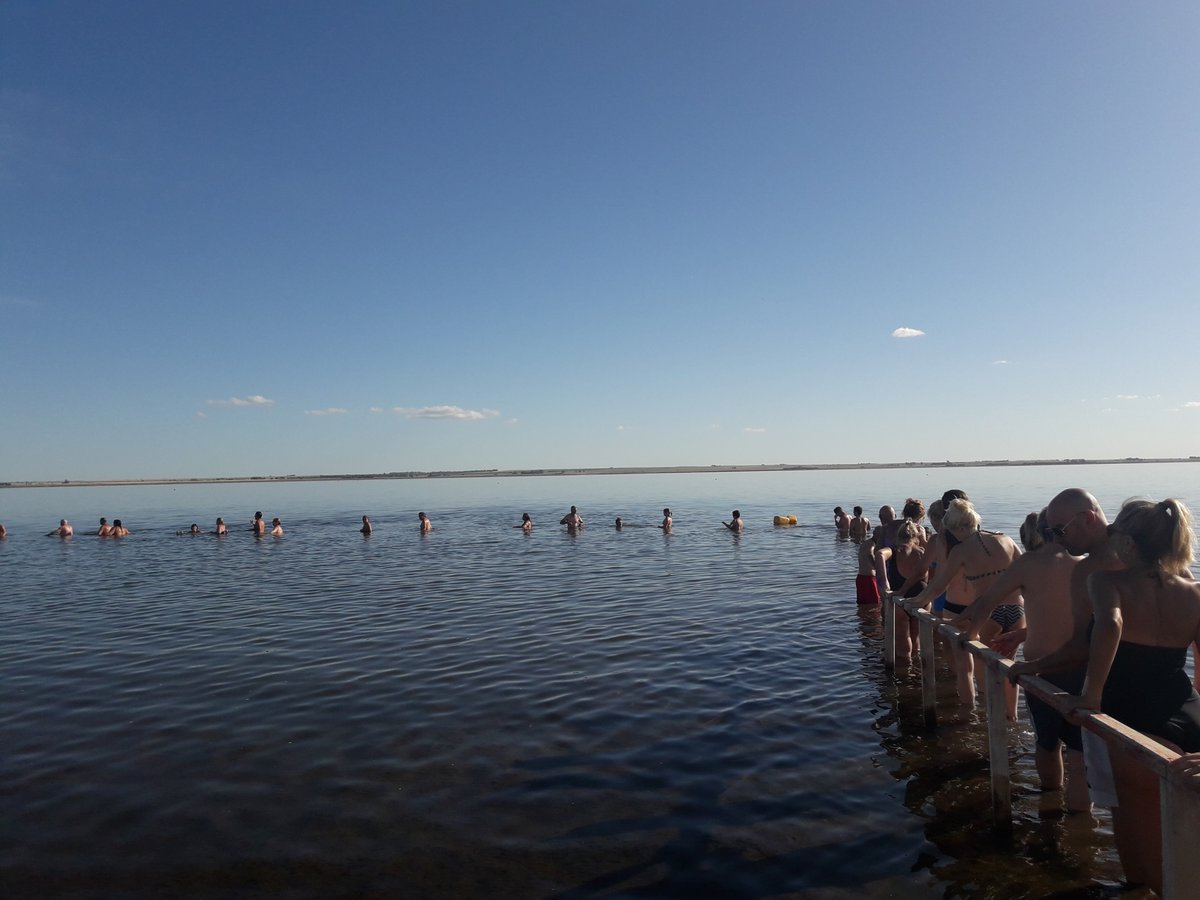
(928, 681)
(889, 633)
(1180, 827)
(997, 729)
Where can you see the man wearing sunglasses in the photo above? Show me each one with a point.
(1075, 520)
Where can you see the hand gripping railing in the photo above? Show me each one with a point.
(1180, 796)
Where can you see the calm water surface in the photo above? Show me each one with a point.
(483, 713)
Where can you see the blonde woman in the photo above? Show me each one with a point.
(978, 557)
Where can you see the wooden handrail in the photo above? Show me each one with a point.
(1180, 796)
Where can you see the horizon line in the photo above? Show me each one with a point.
(593, 470)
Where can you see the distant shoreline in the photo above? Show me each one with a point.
(611, 470)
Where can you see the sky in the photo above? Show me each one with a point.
(271, 238)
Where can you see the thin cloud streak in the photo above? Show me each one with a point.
(456, 413)
(906, 332)
(252, 400)
(331, 411)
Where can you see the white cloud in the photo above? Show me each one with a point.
(1192, 404)
(751, 430)
(906, 332)
(445, 412)
(376, 409)
(252, 400)
(999, 362)
(624, 428)
(201, 414)
(1127, 396)
(331, 411)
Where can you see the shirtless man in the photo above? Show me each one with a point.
(220, 529)
(64, 529)
(572, 520)
(118, 530)
(860, 526)
(667, 521)
(841, 521)
(366, 526)
(737, 524)
(866, 589)
(258, 526)
(1043, 578)
(1077, 523)
(105, 529)
(426, 525)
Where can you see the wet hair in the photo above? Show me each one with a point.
(275, 521)
(839, 510)
(914, 509)
(858, 510)
(961, 514)
(117, 523)
(525, 517)
(951, 495)
(1162, 532)
(907, 532)
(937, 512)
(1032, 536)
(103, 521)
(258, 515)
(737, 513)
(666, 511)
(420, 515)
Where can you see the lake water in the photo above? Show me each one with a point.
(483, 713)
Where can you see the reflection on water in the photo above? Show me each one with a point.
(482, 713)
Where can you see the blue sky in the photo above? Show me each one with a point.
(294, 237)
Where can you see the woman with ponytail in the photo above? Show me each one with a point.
(1144, 619)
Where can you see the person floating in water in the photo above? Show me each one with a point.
(105, 529)
(426, 525)
(118, 530)
(737, 524)
(572, 520)
(667, 521)
(220, 529)
(619, 524)
(366, 526)
(195, 529)
(276, 527)
(526, 523)
(64, 529)
(258, 526)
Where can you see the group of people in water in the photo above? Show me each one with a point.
(1106, 612)
(572, 520)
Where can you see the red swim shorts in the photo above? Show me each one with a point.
(867, 589)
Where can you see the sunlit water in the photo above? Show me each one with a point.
(484, 713)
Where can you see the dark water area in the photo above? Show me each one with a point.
(478, 712)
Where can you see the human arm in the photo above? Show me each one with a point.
(1002, 589)
(1007, 643)
(1107, 625)
(941, 580)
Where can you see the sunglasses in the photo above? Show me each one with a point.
(1058, 532)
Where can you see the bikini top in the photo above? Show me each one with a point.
(983, 544)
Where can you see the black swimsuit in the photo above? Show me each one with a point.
(1149, 689)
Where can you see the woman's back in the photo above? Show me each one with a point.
(1156, 610)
